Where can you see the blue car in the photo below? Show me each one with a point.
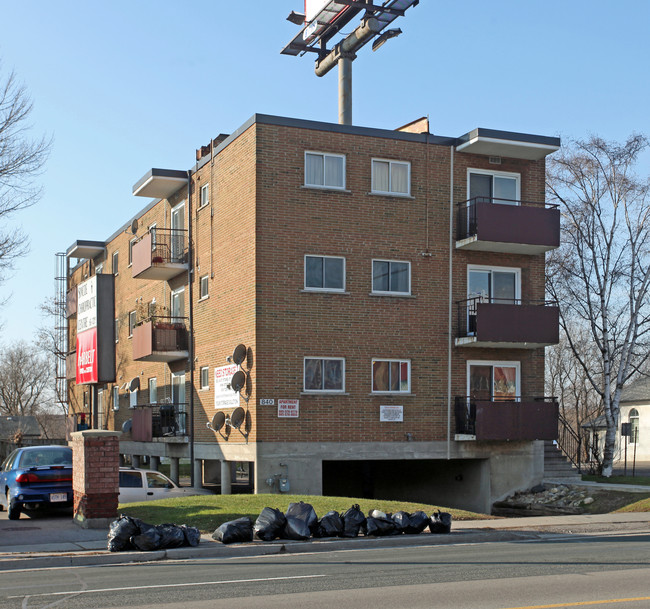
(36, 477)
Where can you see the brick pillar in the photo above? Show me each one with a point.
(95, 477)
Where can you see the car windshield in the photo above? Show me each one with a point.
(46, 456)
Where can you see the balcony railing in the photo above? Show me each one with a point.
(159, 421)
(161, 253)
(160, 339)
(501, 419)
(507, 225)
(507, 323)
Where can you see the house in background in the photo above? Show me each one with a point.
(331, 309)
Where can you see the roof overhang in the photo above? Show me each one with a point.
(508, 144)
(160, 183)
(86, 249)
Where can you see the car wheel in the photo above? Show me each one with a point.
(13, 510)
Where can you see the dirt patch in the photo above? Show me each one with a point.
(606, 501)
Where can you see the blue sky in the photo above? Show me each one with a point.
(126, 86)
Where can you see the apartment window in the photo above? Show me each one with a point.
(116, 261)
(325, 273)
(500, 187)
(117, 330)
(153, 390)
(152, 232)
(205, 377)
(391, 277)
(634, 426)
(131, 251)
(133, 398)
(391, 376)
(493, 381)
(204, 284)
(99, 269)
(500, 285)
(132, 318)
(324, 170)
(205, 195)
(116, 398)
(324, 374)
(391, 177)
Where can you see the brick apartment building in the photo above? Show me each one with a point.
(387, 286)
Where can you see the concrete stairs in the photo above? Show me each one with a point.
(557, 468)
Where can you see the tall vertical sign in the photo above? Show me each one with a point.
(96, 330)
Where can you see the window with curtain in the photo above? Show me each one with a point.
(391, 177)
(493, 381)
(324, 374)
(324, 170)
(391, 376)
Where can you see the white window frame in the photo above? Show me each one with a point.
(498, 269)
(117, 330)
(206, 370)
(131, 250)
(389, 292)
(324, 155)
(389, 360)
(133, 398)
(323, 289)
(152, 382)
(204, 199)
(132, 321)
(116, 397)
(99, 269)
(493, 363)
(177, 292)
(152, 231)
(205, 280)
(115, 261)
(390, 190)
(503, 174)
(321, 391)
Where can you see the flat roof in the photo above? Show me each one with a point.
(86, 249)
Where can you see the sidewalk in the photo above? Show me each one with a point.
(25, 545)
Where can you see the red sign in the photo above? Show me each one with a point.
(87, 357)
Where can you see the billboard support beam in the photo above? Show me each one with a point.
(345, 89)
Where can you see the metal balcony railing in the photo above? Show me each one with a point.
(167, 420)
(168, 245)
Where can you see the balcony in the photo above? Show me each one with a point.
(507, 324)
(160, 340)
(160, 254)
(500, 225)
(159, 421)
(525, 419)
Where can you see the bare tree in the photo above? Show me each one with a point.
(25, 374)
(601, 273)
(21, 161)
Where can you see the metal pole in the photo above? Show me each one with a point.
(190, 343)
(345, 89)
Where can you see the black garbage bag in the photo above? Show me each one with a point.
(171, 536)
(269, 524)
(330, 525)
(418, 521)
(440, 523)
(120, 533)
(353, 520)
(295, 529)
(402, 521)
(305, 512)
(192, 535)
(235, 531)
(147, 541)
(379, 527)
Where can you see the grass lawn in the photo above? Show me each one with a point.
(207, 512)
(637, 480)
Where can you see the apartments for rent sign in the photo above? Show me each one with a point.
(95, 330)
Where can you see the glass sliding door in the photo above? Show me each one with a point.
(494, 382)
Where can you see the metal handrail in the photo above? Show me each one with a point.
(167, 245)
(569, 442)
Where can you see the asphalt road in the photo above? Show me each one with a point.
(585, 571)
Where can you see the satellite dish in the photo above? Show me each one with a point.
(126, 426)
(134, 226)
(237, 417)
(239, 354)
(218, 421)
(238, 381)
(134, 385)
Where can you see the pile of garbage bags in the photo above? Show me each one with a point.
(128, 533)
(300, 523)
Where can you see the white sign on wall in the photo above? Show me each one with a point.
(87, 305)
(391, 414)
(224, 397)
(288, 409)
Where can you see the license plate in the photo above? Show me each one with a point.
(54, 497)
